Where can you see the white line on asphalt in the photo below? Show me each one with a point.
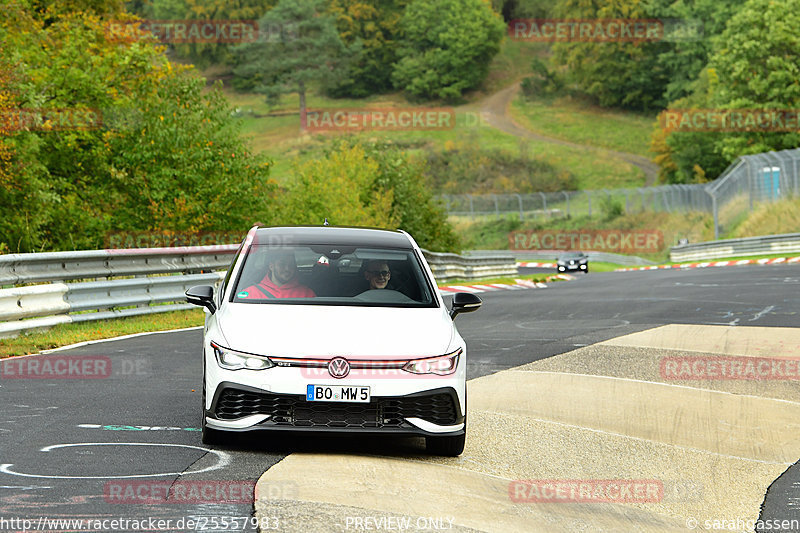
(223, 460)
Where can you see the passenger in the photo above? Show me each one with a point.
(377, 274)
(280, 281)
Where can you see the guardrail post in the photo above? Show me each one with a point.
(519, 199)
(589, 196)
(471, 207)
(566, 196)
(544, 203)
(627, 201)
(716, 216)
(496, 206)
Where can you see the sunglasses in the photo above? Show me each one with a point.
(382, 273)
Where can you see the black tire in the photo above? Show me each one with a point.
(208, 435)
(447, 446)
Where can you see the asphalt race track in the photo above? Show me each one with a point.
(67, 444)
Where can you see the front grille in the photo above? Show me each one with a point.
(295, 411)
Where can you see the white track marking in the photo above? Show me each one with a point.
(223, 460)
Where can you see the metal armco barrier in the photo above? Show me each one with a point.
(42, 306)
(51, 303)
(770, 244)
(446, 267)
(63, 266)
(551, 255)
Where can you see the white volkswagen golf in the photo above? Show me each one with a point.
(332, 329)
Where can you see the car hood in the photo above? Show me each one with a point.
(328, 331)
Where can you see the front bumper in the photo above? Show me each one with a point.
(237, 407)
(567, 267)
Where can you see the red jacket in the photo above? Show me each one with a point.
(267, 289)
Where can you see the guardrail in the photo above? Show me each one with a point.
(446, 267)
(16, 269)
(59, 303)
(770, 244)
(551, 255)
(42, 306)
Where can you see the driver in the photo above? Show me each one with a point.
(377, 274)
(281, 280)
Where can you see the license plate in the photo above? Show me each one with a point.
(337, 393)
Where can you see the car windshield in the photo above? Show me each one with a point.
(333, 275)
(573, 255)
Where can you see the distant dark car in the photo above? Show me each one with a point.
(573, 261)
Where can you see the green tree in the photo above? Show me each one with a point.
(447, 46)
(337, 187)
(368, 184)
(304, 47)
(522, 9)
(414, 206)
(754, 64)
(613, 74)
(206, 53)
(375, 25)
(686, 57)
(166, 154)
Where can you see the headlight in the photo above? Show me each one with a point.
(441, 365)
(233, 360)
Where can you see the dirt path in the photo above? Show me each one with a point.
(494, 109)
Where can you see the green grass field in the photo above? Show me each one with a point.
(581, 123)
(66, 334)
(279, 135)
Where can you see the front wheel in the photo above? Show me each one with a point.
(208, 435)
(447, 446)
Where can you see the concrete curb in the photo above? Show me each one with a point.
(520, 284)
(766, 261)
(579, 417)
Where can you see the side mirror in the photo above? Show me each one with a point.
(202, 295)
(464, 302)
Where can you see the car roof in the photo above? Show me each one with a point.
(334, 235)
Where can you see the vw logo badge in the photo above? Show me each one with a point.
(338, 367)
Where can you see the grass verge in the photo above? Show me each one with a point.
(491, 232)
(580, 123)
(66, 334)
(506, 280)
(787, 255)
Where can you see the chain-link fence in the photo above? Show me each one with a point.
(748, 180)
